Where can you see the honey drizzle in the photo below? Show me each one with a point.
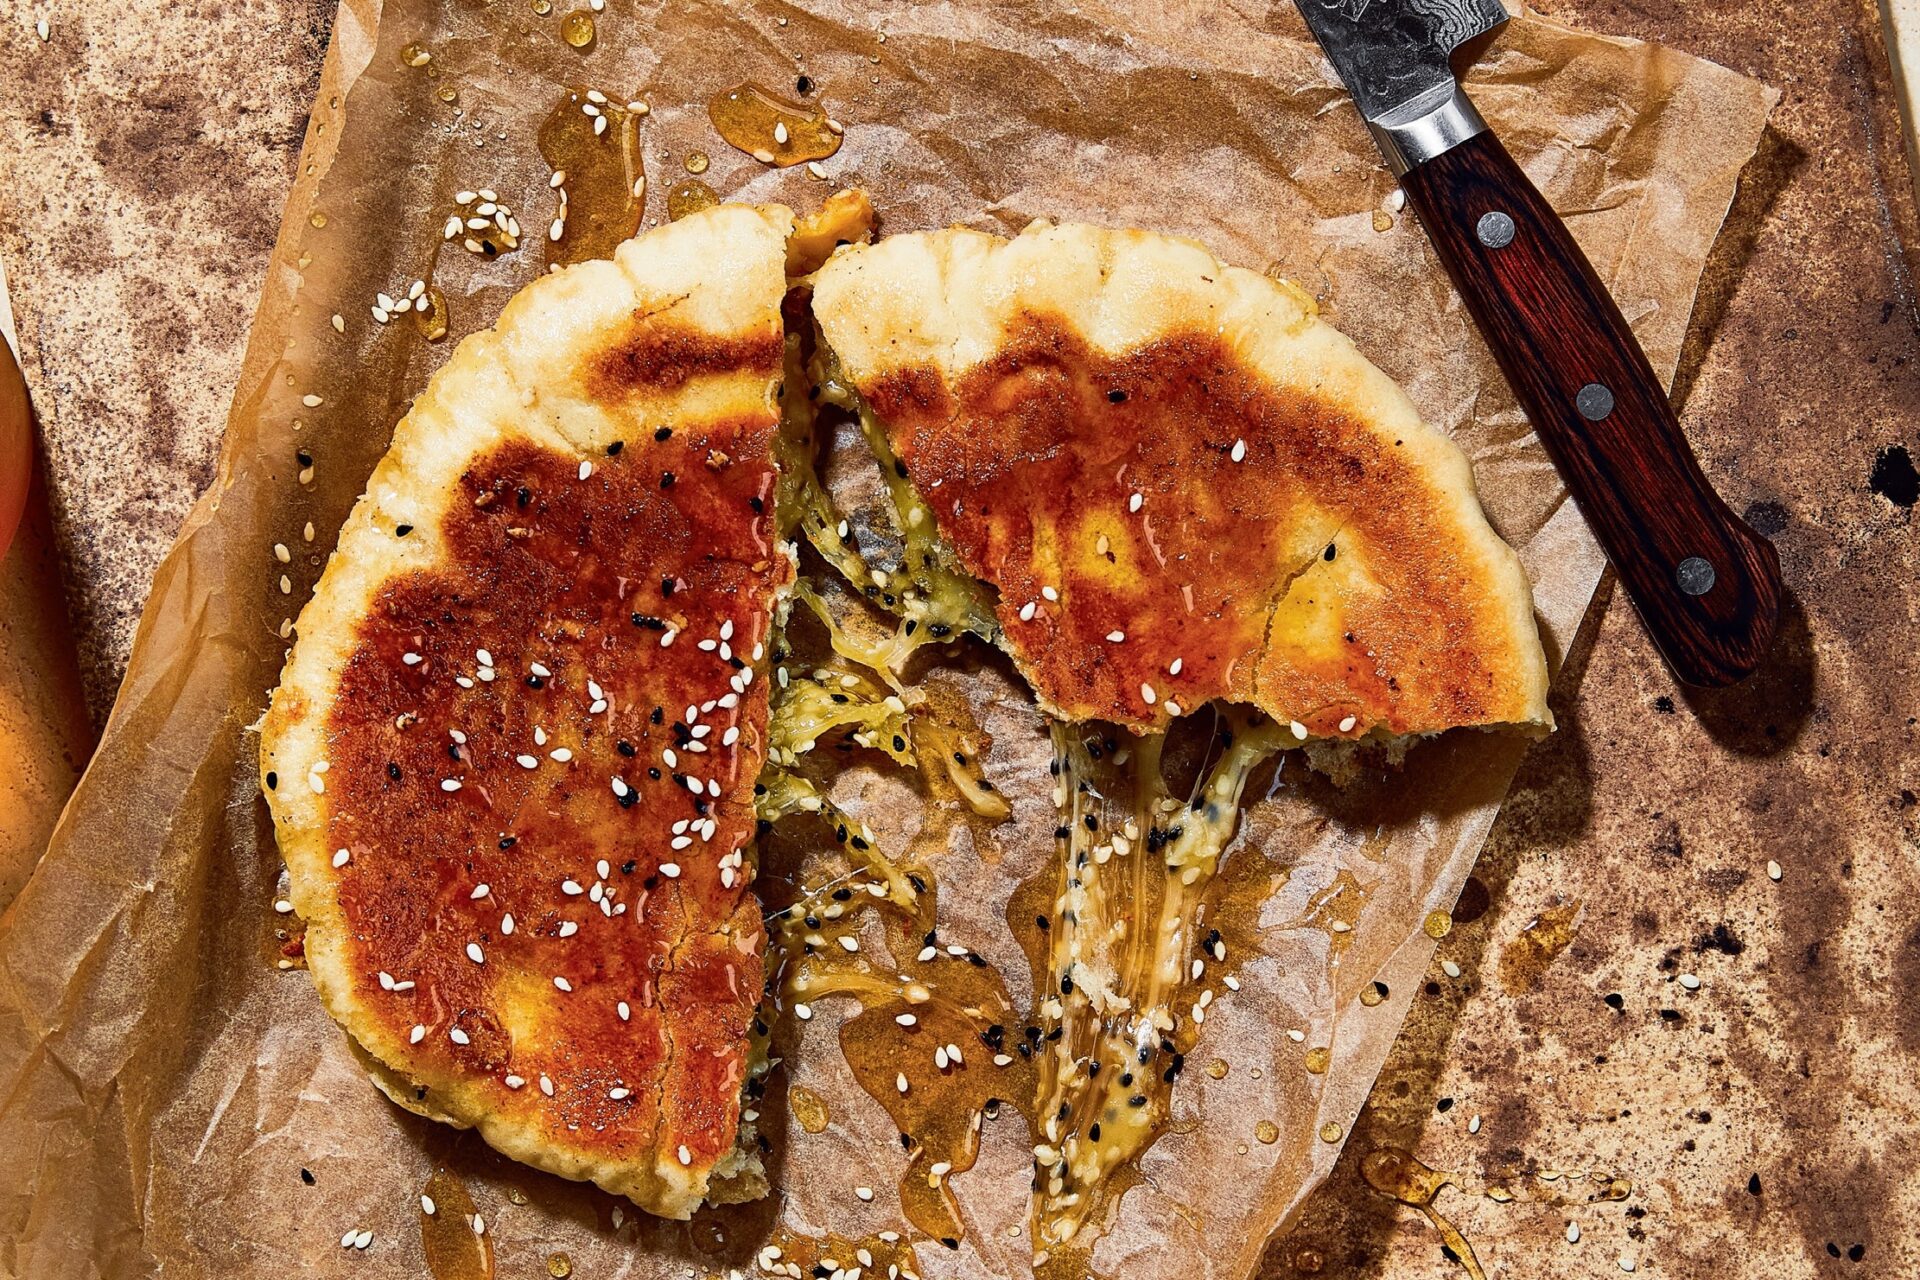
(454, 1249)
(1397, 1174)
(771, 129)
(603, 194)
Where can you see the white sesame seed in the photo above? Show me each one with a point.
(780, 132)
(426, 1204)
(411, 659)
(671, 870)
(527, 761)
(1027, 611)
(560, 755)
(900, 1081)
(1239, 453)
(686, 1156)
(479, 1225)
(568, 928)
(1627, 1264)
(341, 857)
(546, 1086)
(1299, 730)
(480, 891)
(282, 906)
(506, 924)
(449, 784)
(459, 1037)
(571, 888)
(1773, 869)
(816, 170)
(1473, 1125)
(312, 401)
(475, 954)
(1147, 694)
(1690, 981)
(586, 468)
(514, 1082)
(1573, 1233)
(1134, 502)
(1346, 725)
(1116, 636)
(849, 943)
(616, 1093)
(1449, 968)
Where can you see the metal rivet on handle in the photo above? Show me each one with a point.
(1494, 229)
(1593, 401)
(1694, 576)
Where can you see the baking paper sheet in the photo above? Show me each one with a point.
(169, 1099)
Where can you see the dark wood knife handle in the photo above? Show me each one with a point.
(1707, 586)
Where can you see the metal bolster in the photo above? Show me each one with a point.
(1417, 131)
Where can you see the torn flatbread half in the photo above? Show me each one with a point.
(511, 757)
(1183, 485)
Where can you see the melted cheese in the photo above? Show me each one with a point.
(1120, 946)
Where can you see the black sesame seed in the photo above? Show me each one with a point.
(393, 771)
(1117, 396)
(664, 433)
(507, 842)
(1043, 922)
(402, 530)
(306, 1176)
(1093, 1131)
(273, 780)
(625, 748)
(666, 479)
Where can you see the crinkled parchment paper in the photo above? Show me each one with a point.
(163, 1085)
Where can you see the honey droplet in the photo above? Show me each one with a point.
(447, 93)
(809, 1108)
(1382, 220)
(559, 1266)
(430, 315)
(516, 1196)
(542, 7)
(318, 219)
(1309, 1261)
(1217, 1068)
(577, 28)
(1330, 1132)
(1318, 1059)
(415, 55)
(1439, 924)
(1372, 994)
(1267, 1131)
(688, 197)
(697, 162)
(771, 129)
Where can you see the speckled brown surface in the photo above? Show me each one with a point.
(144, 153)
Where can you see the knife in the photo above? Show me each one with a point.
(1707, 587)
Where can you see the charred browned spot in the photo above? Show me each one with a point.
(483, 719)
(656, 354)
(1164, 524)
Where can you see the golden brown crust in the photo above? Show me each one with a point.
(1183, 485)
(511, 757)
